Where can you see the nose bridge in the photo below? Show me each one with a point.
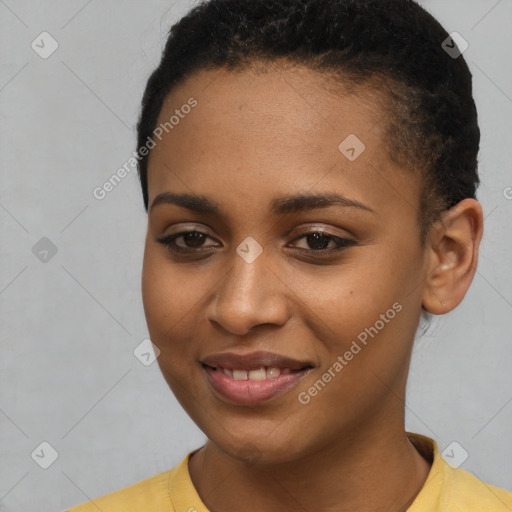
(249, 292)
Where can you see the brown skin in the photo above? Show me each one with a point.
(251, 138)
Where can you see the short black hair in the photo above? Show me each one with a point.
(394, 46)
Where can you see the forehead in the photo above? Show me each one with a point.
(259, 133)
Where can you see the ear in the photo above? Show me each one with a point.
(452, 256)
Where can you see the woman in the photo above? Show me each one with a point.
(309, 171)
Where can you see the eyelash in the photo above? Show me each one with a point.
(343, 243)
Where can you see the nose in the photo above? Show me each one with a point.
(249, 294)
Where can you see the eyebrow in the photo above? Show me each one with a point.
(278, 206)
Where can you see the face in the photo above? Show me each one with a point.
(325, 295)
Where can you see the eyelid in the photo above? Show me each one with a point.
(172, 237)
(298, 231)
(320, 228)
(341, 243)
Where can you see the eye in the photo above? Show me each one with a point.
(319, 240)
(193, 240)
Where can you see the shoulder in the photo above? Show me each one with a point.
(454, 489)
(150, 495)
(166, 492)
(465, 492)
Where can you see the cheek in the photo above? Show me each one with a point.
(170, 290)
(169, 312)
(164, 295)
(366, 314)
(174, 299)
(155, 292)
(351, 297)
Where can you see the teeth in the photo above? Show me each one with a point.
(258, 374)
(272, 373)
(240, 375)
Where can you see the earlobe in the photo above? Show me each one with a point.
(453, 247)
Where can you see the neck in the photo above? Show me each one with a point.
(375, 469)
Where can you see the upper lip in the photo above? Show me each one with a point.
(253, 361)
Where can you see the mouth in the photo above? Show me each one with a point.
(252, 378)
(257, 374)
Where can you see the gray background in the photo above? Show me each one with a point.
(70, 324)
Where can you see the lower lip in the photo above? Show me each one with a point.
(251, 392)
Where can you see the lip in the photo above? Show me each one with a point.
(252, 392)
(253, 360)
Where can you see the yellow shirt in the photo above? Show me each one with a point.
(446, 489)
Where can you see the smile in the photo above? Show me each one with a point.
(258, 374)
(252, 378)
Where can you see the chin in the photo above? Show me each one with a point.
(257, 448)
